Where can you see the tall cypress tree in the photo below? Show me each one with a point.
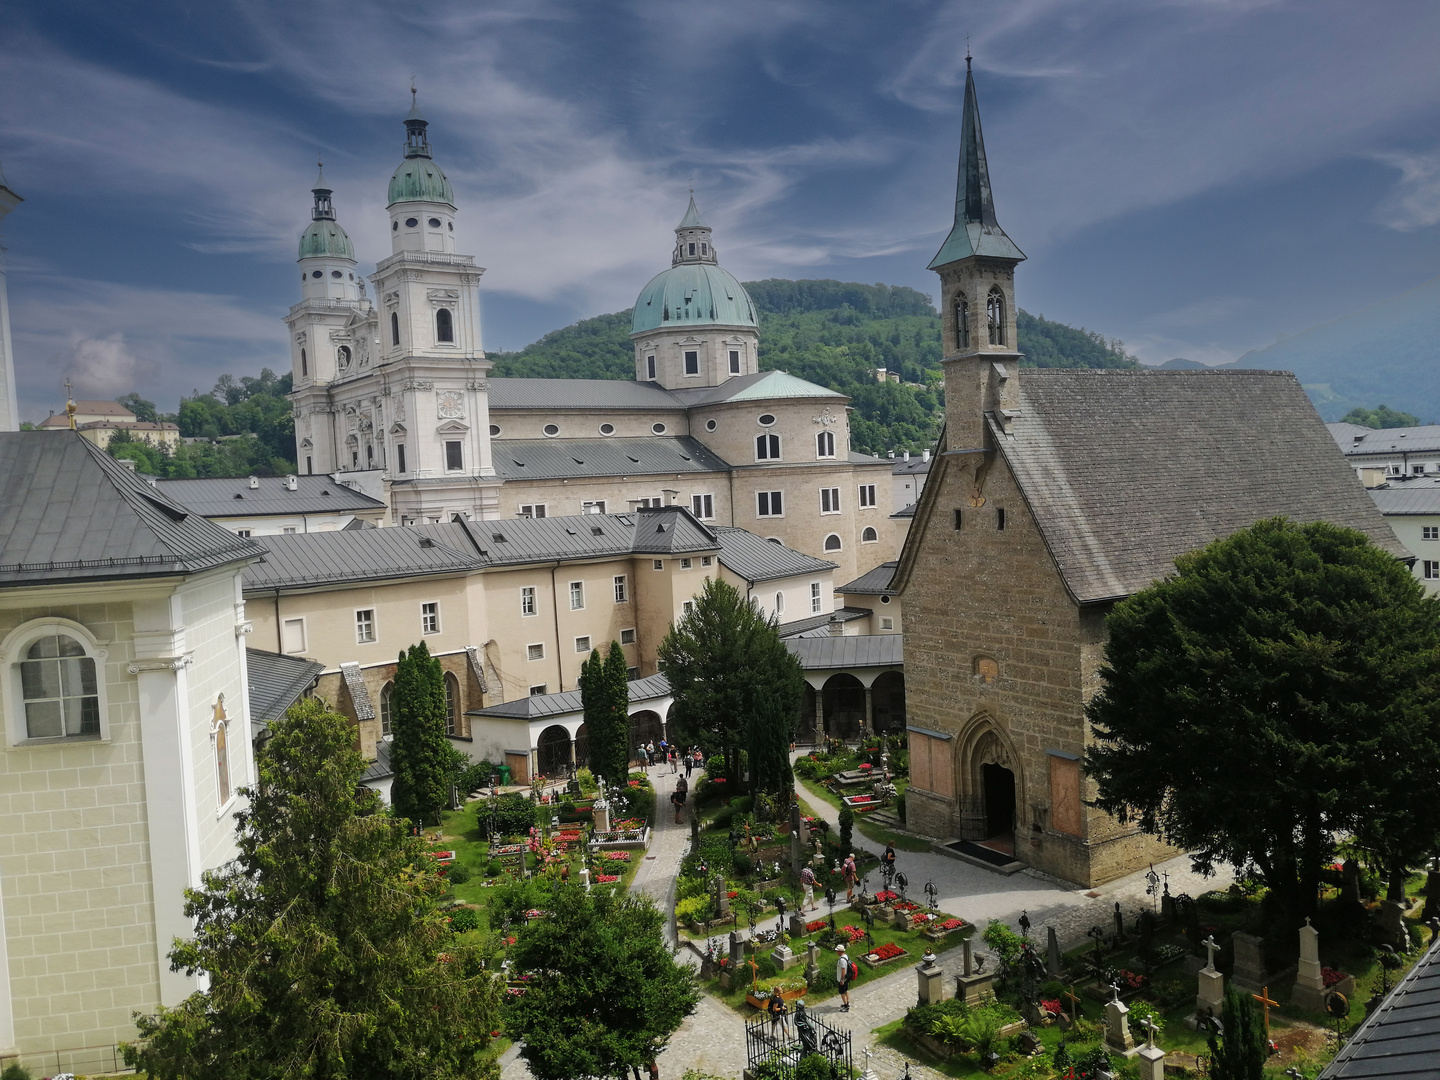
(420, 754)
(1241, 1052)
(606, 699)
(617, 696)
(769, 747)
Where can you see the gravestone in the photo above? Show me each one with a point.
(797, 924)
(737, 951)
(1350, 882)
(1119, 925)
(1117, 1025)
(722, 902)
(600, 809)
(812, 962)
(1210, 997)
(1309, 991)
(1392, 924)
(972, 985)
(1053, 960)
(1152, 1058)
(585, 877)
(1249, 971)
(784, 957)
(931, 979)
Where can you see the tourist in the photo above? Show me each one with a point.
(677, 800)
(849, 873)
(674, 762)
(845, 970)
(775, 1007)
(887, 861)
(807, 881)
(650, 752)
(689, 763)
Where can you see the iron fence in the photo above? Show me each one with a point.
(773, 1050)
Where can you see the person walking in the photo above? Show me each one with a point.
(887, 862)
(848, 872)
(775, 1007)
(677, 800)
(674, 761)
(845, 971)
(689, 763)
(807, 882)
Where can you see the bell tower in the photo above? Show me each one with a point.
(976, 265)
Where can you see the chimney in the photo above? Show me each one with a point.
(254, 482)
(907, 455)
(925, 454)
(292, 484)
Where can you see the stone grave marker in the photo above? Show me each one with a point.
(1152, 1058)
(1210, 997)
(931, 979)
(1053, 959)
(1117, 1025)
(1249, 971)
(812, 962)
(1392, 924)
(797, 924)
(1350, 882)
(722, 902)
(784, 957)
(737, 951)
(1309, 991)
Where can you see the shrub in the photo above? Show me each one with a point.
(900, 808)
(699, 908)
(743, 866)
(474, 777)
(463, 920)
(1004, 943)
(847, 829)
(514, 814)
(1142, 1010)
(458, 875)
(714, 766)
(15, 1071)
(587, 781)
(494, 868)
(813, 1067)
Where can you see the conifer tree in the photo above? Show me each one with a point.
(769, 748)
(1240, 1053)
(422, 757)
(605, 696)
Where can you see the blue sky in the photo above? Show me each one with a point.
(1196, 177)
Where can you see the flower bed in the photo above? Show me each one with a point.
(884, 954)
(606, 879)
(535, 913)
(854, 933)
(818, 924)
(616, 856)
(1331, 976)
(885, 895)
(568, 837)
(906, 905)
(951, 924)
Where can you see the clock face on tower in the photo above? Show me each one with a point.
(451, 405)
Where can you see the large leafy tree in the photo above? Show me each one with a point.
(423, 759)
(605, 695)
(724, 660)
(605, 992)
(1279, 690)
(327, 956)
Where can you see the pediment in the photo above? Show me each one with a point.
(452, 427)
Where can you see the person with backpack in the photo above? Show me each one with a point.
(845, 973)
(807, 882)
(775, 1007)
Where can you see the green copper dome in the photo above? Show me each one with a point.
(692, 294)
(326, 237)
(419, 179)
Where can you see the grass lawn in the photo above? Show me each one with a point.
(876, 833)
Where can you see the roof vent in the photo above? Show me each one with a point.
(499, 538)
(636, 460)
(660, 528)
(238, 495)
(571, 532)
(578, 461)
(292, 483)
(327, 491)
(595, 530)
(254, 482)
(520, 464)
(426, 542)
(685, 456)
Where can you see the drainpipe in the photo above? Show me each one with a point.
(279, 641)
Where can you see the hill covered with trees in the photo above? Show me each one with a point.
(836, 334)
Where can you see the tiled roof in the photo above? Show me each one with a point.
(873, 582)
(380, 768)
(1417, 495)
(1401, 1038)
(539, 706)
(359, 692)
(234, 497)
(1125, 470)
(869, 650)
(276, 682)
(916, 465)
(756, 559)
(88, 408)
(651, 455)
(907, 512)
(72, 513)
(582, 394)
(1357, 441)
(820, 624)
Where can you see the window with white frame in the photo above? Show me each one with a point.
(1430, 532)
(650, 504)
(527, 600)
(779, 603)
(868, 535)
(535, 651)
(1432, 569)
(365, 625)
(582, 644)
(686, 607)
(692, 362)
(867, 496)
(59, 685)
(734, 361)
(707, 560)
(532, 510)
(244, 533)
(596, 507)
(685, 564)
(292, 636)
(702, 506)
(887, 622)
(577, 595)
(825, 444)
(537, 690)
(430, 618)
(454, 455)
(658, 564)
(815, 598)
(767, 447)
(1417, 470)
(452, 704)
(832, 542)
(387, 708)
(288, 530)
(769, 504)
(627, 637)
(622, 590)
(829, 500)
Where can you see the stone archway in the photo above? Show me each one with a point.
(645, 727)
(887, 696)
(805, 726)
(844, 706)
(582, 747)
(991, 781)
(552, 751)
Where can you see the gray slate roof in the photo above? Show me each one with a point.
(907, 512)
(915, 466)
(233, 497)
(874, 582)
(1401, 1038)
(1125, 470)
(651, 455)
(1412, 495)
(72, 513)
(577, 394)
(756, 559)
(816, 625)
(276, 682)
(539, 706)
(666, 530)
(1357, 441)
(380, 768)
(358, 555)
(869, 650)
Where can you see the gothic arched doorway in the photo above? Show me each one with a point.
(844, 704)
(553, 751)
(999, 783)
(887, 696)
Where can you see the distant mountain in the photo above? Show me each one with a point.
(1181, 364)
(1389, 352)
(836, 334)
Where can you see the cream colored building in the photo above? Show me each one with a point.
(126, 740)
(265, 505)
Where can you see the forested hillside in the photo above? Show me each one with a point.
(836, 334)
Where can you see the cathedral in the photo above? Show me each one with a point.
(398, 387)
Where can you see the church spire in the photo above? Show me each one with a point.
(976, 231)
(324, 209)
(416, 143)
(692, 238)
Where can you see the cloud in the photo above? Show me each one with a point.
(1415, 201)
(104, 367)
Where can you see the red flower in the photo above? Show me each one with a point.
(811, 927)
(1331, 976)
(952, 924)
(887, 951)
(854, 933)
(866, 766)
(1052, 1006)
(731, 895)
(885, 894)
(605, 879)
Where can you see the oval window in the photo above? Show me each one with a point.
(335, 274)
(452, 226)
(352, 277)
(607, 429)
(394, 226)
(494, 430)
(710, 425)
(434, 222)
(551, 430)
(658, 429)
(411, 222)
(766, 419)
(884, 599)
(314, 273)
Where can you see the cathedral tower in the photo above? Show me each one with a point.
(9, 405)
(976, 265)
(694, 325)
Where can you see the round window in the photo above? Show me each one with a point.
(411, 222)
(658, 429)
(494, 430)
(335, 274)
(314, 273)
(884, 599)
(766, 419)
(607, 429)
(434, 222)
(551, 430)
(394, 226)
(710, 425)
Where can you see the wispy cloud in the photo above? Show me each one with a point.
(1415, 201)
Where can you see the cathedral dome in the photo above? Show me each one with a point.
(419, 179)
(326, 237)
(692, 294)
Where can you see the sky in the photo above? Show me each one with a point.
(1194, 177)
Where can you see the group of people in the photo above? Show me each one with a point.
(650, 754)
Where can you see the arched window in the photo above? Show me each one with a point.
(986, 669)
(452, 704)
(995, 315)
(444, 325)
(779, 603)
(394, 328)
(767, 447)
(220, 735)
(962, 323)
(825, 444)
(342, 357)
(387, 708)
(59, 688)
(832, 542)
(868, 535)
(304, 364)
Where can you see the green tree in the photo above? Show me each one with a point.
(769, 749)
(1279, 690)
(1382, 416)
(145, 411)
(327, 956)
(423, 759)
(605, 695)
(847, 831)
(724, 659)
(606, 991)
(1241, 1052)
